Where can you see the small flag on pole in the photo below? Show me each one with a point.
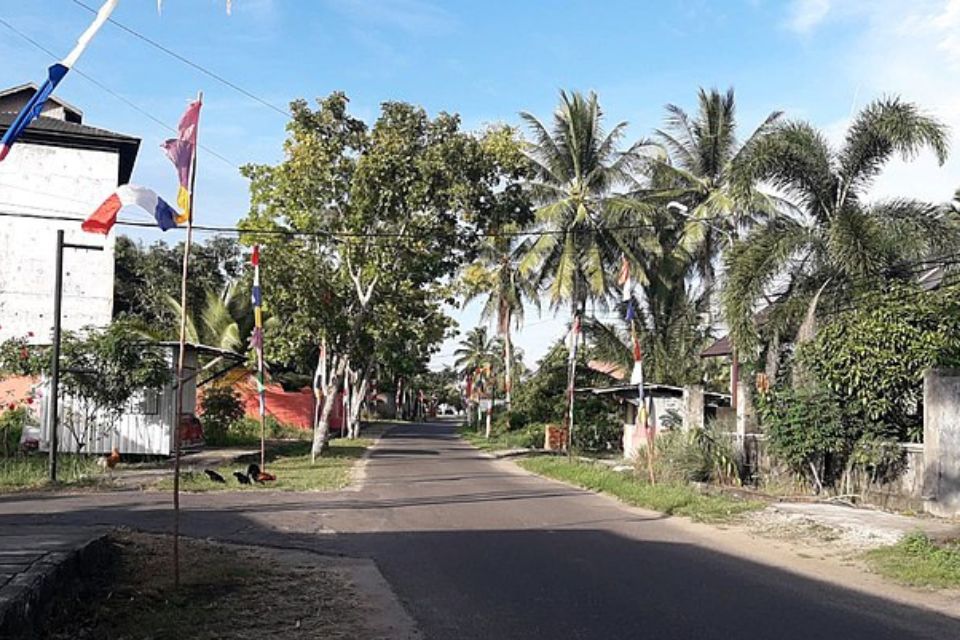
(181, 150)
(624, 279)
(256, 340)
(103, 219)
(55, 73)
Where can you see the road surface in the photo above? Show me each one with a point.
(476, 549)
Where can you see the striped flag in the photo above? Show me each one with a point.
(256, 339)
(181, 151)
(55, 73)
(103, 219)
(624, 279)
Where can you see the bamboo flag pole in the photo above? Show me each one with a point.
(180, 364)
(258, 346)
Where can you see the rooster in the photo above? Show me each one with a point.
(213, 475)
(110, 461)
(255, 474)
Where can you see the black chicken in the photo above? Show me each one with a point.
(213, 475)
(253, 472)
(241, 477)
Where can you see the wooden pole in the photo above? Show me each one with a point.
(180, 365)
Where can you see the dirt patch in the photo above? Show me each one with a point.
(228, 591)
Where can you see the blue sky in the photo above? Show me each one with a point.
(488, 60)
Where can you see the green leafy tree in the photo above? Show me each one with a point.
(392, 208)
(834, 235)
(101, 369)
(872, 358)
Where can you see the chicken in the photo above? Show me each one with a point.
(263, 476)
(110, 461)
(213, 475)
(253, 471)
(241, 477)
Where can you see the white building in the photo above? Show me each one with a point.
(59, 171)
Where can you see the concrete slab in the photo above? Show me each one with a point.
(870, 523)
(36, 565)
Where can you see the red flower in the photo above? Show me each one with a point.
(12, 406)
(29, 334)
(24, 354)
(29, 400)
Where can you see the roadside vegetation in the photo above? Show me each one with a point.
(291, 464)
(919, 561)
(669, 498)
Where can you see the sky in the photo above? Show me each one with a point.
(816, 60)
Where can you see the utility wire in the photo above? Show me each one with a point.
(190, 63)
(113, 93)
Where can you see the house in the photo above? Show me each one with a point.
(58, 172)
(146, 425)
(668, 407)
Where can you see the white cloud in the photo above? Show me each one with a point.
(807, 14)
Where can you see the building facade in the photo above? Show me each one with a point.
(57, 173)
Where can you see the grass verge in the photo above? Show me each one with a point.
(918, 561)
(31, 472)
(519, 439)
(290, 463)
(226, 592)
(670, 499)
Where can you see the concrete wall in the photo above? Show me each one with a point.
(659, 406)
(50, 181)
(941, 441)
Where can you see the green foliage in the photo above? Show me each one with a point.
(806, 430)
(31, 471)
(596, 426)
(836, 237)
(100, 368)
(919, 561)
(698, 455)
(146, 276)
(222, 407)
(541, 396)
(246, 432)
(872, 358)
(11, 427)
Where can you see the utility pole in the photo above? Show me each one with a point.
(55, 364)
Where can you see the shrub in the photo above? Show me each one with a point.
(222, 408)
(597, 429)
(11, 426)
(698, 455)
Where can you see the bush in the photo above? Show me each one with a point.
(597, 430)
(11, 426)
(699, 455)
(222, 408)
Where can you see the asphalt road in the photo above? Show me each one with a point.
(475, 549)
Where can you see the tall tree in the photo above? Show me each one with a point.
(835, 241)
(577, 169)
(703, 154)
(391, 212)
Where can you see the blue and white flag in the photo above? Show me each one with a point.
(55, 74)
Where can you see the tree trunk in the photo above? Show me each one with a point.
(322, 433)
(508, 368)
(571, 380)
(359, 395)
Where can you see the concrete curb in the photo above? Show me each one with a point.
(27, 598)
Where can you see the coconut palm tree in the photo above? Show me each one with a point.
(496, 277)
(476, 350)
(834, 237)
(577, 169)
(703, 153)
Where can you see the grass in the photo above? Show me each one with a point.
(225, 592)
(31, 472)
(519, 439)
(670, 499)
(290, 462)
(918, 561)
